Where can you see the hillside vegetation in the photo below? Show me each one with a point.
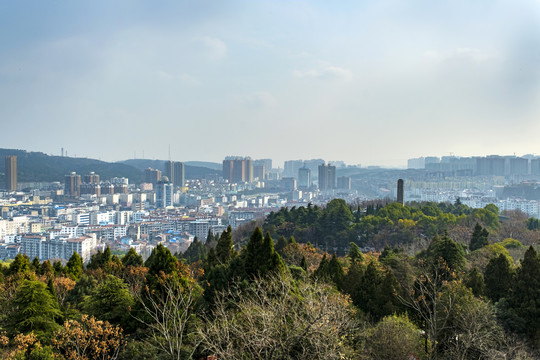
(284, 299)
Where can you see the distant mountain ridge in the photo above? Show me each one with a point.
(206, 164)
(192, 171)
(40, 167)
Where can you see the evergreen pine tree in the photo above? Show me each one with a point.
(19, 265)
(498, 277)
(58, 268)
(211, 260)
(100, 259)
(74, 266)
(34, 310)
(106, 255)
(281, 243)
(335, 271)
(260, 258)
(84, 287)
(210, 238)
(367, 298)
(449, 251)
(303, 263)
(46, 269)
(35, 265)
(357, 215)
(110, 301)
(386, 296)
(321, 273)
(132, 258)
(525, 298)
(355, 254)
(50, 288)
(475, 282)
(161, 260)
(351, 281)
(479, 238)
(195, 252)
(115, 266)
(224, 247)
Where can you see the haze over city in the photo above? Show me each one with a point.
(373, 82)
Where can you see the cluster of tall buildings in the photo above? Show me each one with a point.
(164, 193)
(238, 169)
(262, 169)
(291, 167)
(297, 174)
(493, 165)
(90, 184)
(165, 185)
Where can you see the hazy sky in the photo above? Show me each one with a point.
(369, 82)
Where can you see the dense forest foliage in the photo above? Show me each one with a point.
(472, 292)
(377, 225)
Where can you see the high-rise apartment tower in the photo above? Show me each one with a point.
(72, 184)
(11, 173)
(327, 177)
(174, 170)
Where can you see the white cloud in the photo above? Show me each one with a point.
(460, 54)
(189, 79)
(326, 72)
(184, 78)
(164, 75)
(259, 99)
(216, 48)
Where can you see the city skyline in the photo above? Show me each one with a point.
(282, 164)
(374, 82)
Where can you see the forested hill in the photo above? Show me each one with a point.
(375, 226)
(38, 167)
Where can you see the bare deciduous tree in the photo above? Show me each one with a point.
(433, 298)
(168, 313)
(62, 286)
(476, 333)
(276, 319)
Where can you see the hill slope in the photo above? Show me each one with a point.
(37, 166)
(40, 167)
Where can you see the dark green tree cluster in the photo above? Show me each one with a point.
(479, 238)
(533, 224)
(519, 302)
(225, 266)
(336, 225)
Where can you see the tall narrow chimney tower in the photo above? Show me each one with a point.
(400, 197)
